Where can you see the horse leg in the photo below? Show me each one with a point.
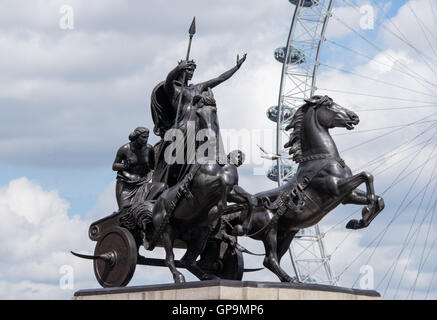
(358, 197)
(375, 204)
(167, 241)
(368, 213)
(347, 185)
(271, 260)
(194, 249)
(284, 241)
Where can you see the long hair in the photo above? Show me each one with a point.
(137, 132)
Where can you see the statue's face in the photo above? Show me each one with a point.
(189, 73)
(143, 138)
(236, 158)
(240, 158)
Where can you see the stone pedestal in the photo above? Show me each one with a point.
(228, 290)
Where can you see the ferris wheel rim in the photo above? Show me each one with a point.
(279, 124)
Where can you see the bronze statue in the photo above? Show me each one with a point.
(322, 182)
(190, 209)
(238, 195)
(187, 204)
(172, 108)
(196, 211)
(134, 164)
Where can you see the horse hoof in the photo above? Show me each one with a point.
(381, 204)
(354, 224)
(209, 277)
(289, 279)
(179, 278)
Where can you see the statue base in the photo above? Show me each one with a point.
(228, 290)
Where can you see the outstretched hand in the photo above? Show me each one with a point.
(241, 61)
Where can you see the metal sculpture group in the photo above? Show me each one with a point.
(196, 203)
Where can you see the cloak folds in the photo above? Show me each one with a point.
(163, 110)
(164, 116)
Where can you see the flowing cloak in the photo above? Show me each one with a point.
(164, 117)
(163, 114)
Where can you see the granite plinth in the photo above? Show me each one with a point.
(228, 290)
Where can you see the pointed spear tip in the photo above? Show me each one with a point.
(192, 30)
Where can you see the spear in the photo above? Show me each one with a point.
(191, 32)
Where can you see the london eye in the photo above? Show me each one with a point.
(378, 82)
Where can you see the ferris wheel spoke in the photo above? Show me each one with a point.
(410, 234)
(375, 96)
(422, 27)
(418, 80)
(377, 80)
(426, 59)
(381, 234)
(380, 136)
(377, 48)
(401, 207)
(397, 181)
(398, 149)
(382, 128)
(422, 259)
(301, 63)
(368, 109)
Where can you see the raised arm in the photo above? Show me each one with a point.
(224, 76)
(176, 73)
(172, 76)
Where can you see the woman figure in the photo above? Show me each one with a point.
(172, 108)
(134, 164)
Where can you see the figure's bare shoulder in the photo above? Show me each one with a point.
(230, 174)
(124, 149)
(229, 168)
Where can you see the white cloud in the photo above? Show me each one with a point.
(344, 18)
(37, 235)
(80, 91)
(105, 204)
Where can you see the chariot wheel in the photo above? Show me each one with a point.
(117, 252)
(233, 264)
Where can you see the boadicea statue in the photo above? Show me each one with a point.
(196, 203)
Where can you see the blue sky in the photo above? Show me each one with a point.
(70, 98)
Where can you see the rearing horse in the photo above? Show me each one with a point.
(322, 182)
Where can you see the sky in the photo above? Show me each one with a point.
(70, 98)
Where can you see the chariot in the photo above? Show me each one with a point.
(118, 242)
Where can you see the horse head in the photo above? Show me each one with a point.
(331, 115)
(311, 124)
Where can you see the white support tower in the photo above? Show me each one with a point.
(300, 60)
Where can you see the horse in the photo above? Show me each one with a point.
(191, 209)
(322, 182)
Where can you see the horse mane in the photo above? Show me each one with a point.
(295, 142)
